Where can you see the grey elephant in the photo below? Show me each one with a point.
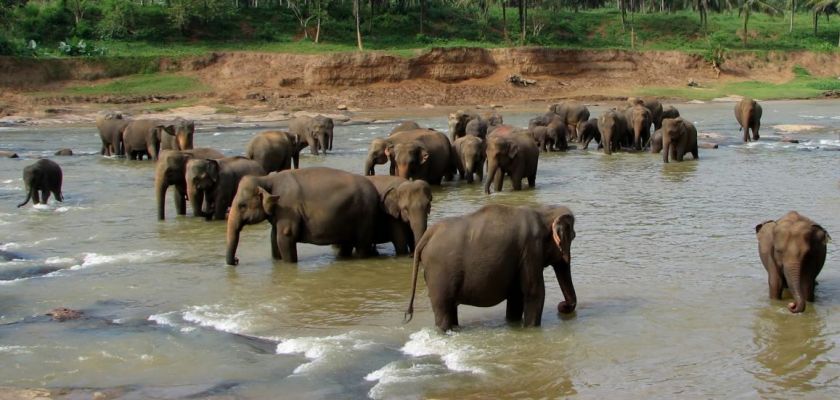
(171, 170)
(514, 154)
(748, 114)
(212, 183)
(614, 129)
(679, 137)
(417, 154)
(318, 205)
(143, 137)
(651, 104)
(469, 153)
(588, 131)
(405, 211)
(670, 112)
(640, 120)
(793, 250)
(42, 176)
(656, 141)
(572, 113)
(317, 131)
(276, 150)
(183, 137)
(110, 126)
(405, 126)
(495, 254)
(458, 123)
(553, 137)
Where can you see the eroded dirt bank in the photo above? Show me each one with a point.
(441, 77)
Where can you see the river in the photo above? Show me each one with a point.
(672, 296)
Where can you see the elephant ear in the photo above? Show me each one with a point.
(821, 236)
(213, 170)
(269, 201)
(759, 226)
(390, 202)
(513, 150)
(389, 150)
(424, 156)
(562, 230)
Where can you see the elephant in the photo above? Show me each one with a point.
(476, 127)
(552, 137)
(213, 182)
(656, 141)
(748, 114)
(405, 126)
(614, 129)
(63, 152)
(588, 131)
(651, 104)
(111, 126)
(572, 113)
(670, 112)
(416, 154)
(276, 150)
(144, 136)
(494, 254)
(8, 154)
(45, 176)
(171, 169)
(679, 137)
(316, 205)
(182, 139)
(317, 131)
(516, 155)
(639, 119)
(406, 206)
(458, 123)
(793, 250)
(469, 153)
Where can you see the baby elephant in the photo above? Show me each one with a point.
(212, 183)
(494, 254)
(792, 250)
(44, 176)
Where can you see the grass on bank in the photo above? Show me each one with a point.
(802, 86)
(141, 85)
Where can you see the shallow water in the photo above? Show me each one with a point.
(672, 295)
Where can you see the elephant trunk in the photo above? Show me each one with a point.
(369, 167)
(666, 149)
(607, 142)
(196, 198)
(403, 170)
(637, 136)
(323, 141)
(418, 226)
(469, 169)
(234, 228)
(492, 168)
(793, 277)
(160, 196)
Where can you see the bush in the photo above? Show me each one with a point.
(79, 48)
(118, 17)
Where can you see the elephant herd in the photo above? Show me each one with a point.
(354, 213)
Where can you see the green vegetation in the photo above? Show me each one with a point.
(141, 85)
(190, 27)
(801, 87)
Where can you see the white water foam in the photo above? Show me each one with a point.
(15, 350)
(213, 316)
(456, 356)
(393, 378)
(132, 257)
(59, 260)
(323, 350)
(15, 245)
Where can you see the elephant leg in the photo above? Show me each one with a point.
(746, 130)
(516, 180)
(533, 305)
(296, 160)
(446, 313)
(57, 194)
(45, 196)
(755, 131)
(498, 180)
(288, 248)
(532, 180)
(220, 207)
(180, 199)
(399, 238)
(345, 250)
(36, 198)
(275, 248)
(808, 288)
(774, 281)
(514, 306)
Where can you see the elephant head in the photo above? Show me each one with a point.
(501, 151)
(640, 119)
(674, 130)
(410, 202)
(473, 152)
(202, 177)
(378, 153)
(458, 123)
(493, 118)
(409, 158)
(612, 125)
(183, 132)
(476, 127)
(557, 131)
(557, 244)
(247, 208)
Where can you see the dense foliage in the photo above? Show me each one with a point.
(32, 27)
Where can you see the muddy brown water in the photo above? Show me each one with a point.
(672, 295)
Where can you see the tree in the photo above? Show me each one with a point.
(825, 7)
(357, 14)
(747, 7)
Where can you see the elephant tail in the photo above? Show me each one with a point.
(409, 312)
(29, 196)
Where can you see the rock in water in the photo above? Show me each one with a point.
(62, 314)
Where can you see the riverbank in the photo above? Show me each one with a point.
(251, 87)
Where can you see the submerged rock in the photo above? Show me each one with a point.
(62, 314)
(64, 152)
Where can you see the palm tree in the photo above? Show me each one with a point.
(825, 7)
(747, 7)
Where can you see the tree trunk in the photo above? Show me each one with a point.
(521, 22)
(746, 20)
(422, 15)
(504, 19)
(357, 13)
(792, 12)
(318, 24)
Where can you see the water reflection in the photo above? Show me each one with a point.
(791, 351)
(679, 171)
